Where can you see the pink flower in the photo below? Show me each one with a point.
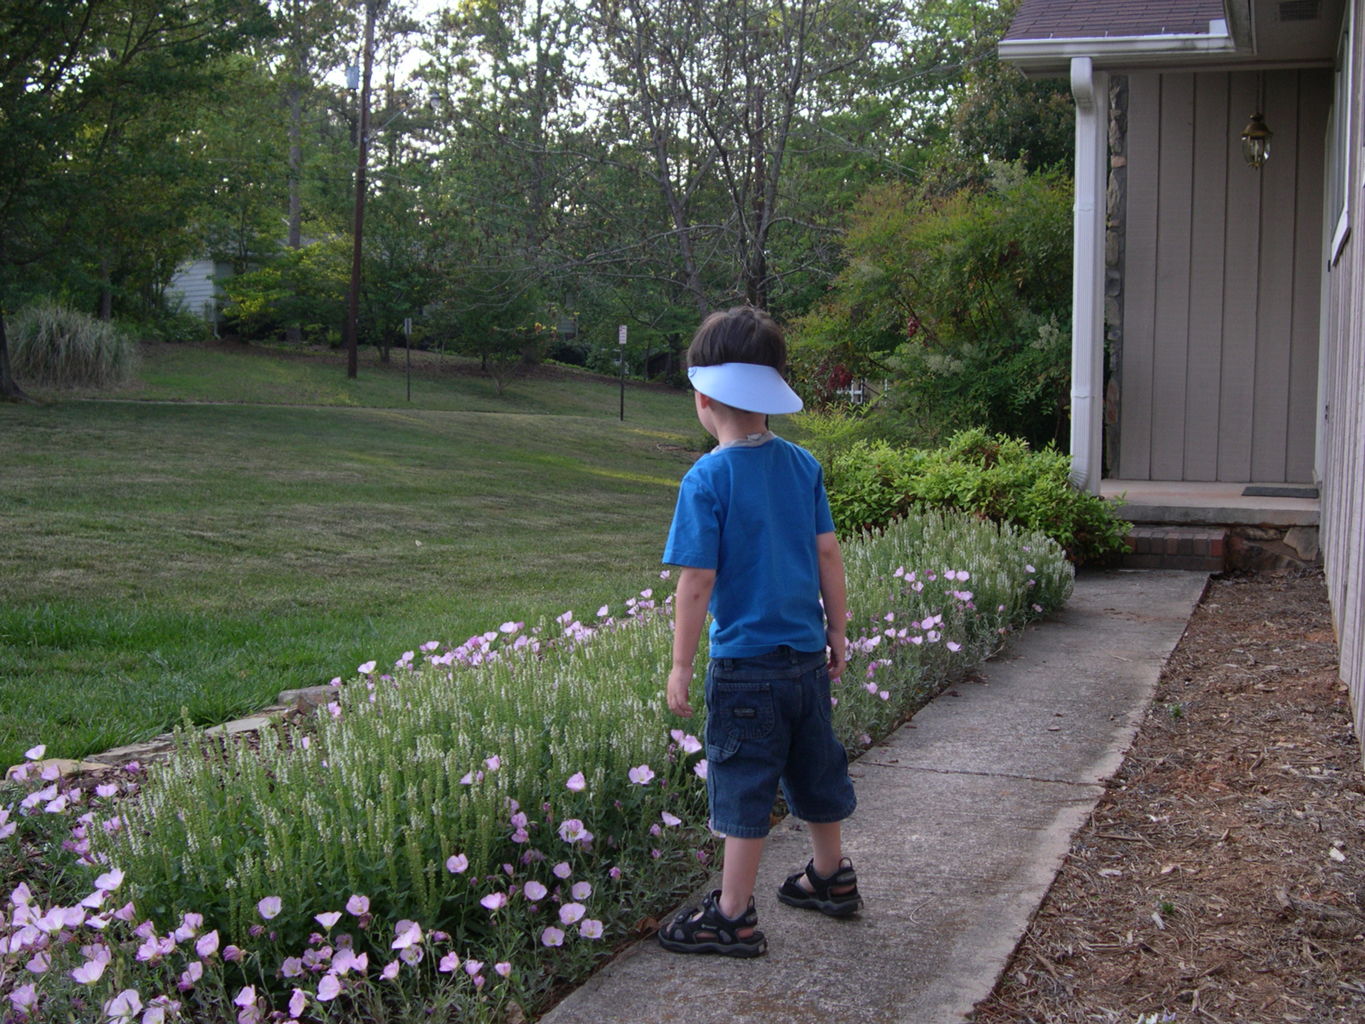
(36, 753)
(328, 988)
(534, 891)
(357, 906)
(571, 912)
(328, 919)
(366, 668)
(590, 928)
(954, 647)
(91, 971)
(207, 944)
(670, 819)
(581, 890)
(576, 783)
(641, 775)
(124, 1006)
(408, 933)
(494, 901)
(450, 962)
(562, 869)
(552, 936)
(700, 768)
(194, 970)
(298, 1001)
(109, 881)
(292, 967)
(346, 960)
(473, 967)
(269, 907)
(457, 864)
(571, 830)
(390, 970)
(24, 998)
(246, 997)
(493, 763)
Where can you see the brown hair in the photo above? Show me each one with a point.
(743, 334)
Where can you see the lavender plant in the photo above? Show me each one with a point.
(455, 832)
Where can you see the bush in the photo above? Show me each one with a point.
(59, 347)
(873, 483)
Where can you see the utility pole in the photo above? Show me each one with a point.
(353, 298)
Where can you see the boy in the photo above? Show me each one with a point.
(753, 535)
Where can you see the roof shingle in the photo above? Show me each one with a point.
(1088, 19)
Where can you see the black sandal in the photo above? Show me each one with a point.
(824, 898)
(705, 929)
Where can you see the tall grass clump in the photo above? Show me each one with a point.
(467, 826)
(54, 346)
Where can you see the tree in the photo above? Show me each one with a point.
(716, 95)
(963, 301)
(74, 78)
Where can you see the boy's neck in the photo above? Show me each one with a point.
(740, 426)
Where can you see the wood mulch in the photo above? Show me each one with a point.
(1222, 876)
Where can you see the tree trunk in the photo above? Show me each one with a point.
(10, 391)
(293, 333)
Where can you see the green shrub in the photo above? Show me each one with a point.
(59, 347)
(999, 478)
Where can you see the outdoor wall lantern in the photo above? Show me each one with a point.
(1256, 141)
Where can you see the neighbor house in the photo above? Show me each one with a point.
(195, 286)
(1219, 292)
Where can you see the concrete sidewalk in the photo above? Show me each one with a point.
(964, 816)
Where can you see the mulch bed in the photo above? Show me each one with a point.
(1222, 876)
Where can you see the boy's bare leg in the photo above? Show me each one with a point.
(738, 875)
(826, 839)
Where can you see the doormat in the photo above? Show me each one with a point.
(1279, 491)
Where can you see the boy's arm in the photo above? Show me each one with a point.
(690, 602)
(834, 593)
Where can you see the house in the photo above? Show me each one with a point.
(195, 286)
(1218, 359)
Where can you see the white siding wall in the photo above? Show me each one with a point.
(193, 283)
(1343, 460)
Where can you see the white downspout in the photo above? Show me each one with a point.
(1091, 90)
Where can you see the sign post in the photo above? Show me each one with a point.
(621, 341)
(407, 347)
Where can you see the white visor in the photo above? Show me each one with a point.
(751, 387)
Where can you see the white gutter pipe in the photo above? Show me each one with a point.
(1091, 90)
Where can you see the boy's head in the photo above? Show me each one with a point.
(737, 358)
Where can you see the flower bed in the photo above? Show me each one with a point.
(455, 835)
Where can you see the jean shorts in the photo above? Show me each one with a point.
(768, 722)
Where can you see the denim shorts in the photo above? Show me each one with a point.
(768, 721)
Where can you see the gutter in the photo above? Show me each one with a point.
(1055, 54)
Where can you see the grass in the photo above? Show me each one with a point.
(165, 553)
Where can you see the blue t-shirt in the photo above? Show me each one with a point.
(752, 513)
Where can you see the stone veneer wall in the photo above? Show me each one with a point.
(1116, 195)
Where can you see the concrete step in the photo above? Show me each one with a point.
(1166, 546)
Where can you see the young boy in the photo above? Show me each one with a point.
(753, 535)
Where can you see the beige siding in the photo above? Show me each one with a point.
(1218, 368)
(1343, 467)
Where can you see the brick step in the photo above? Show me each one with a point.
(1165, 546)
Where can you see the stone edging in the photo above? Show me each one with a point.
(158, 748)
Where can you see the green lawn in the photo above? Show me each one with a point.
(158, 551)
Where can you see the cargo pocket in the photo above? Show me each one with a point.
(736, 713)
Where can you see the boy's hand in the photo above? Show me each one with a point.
(838, 651)
(679, 682)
